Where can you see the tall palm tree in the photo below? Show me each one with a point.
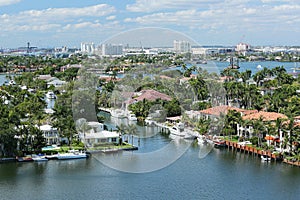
(82, 126)
(132, 130)
(121, 129)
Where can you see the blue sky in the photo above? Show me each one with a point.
(56, 23)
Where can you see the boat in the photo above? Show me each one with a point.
(189, 136)
(219, 143)
(202, 140)
(149, 121)
(50, 95)
(265, 158)
(38, 158)
(118, 113)
(51, 157)
(24, 159)
(131, 117)
(178, 130)
(258, 67)
(72, 154)
(234, 63)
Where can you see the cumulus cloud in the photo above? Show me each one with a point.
(155, 5)
(226, 17)
(8, 2)
(112, 17)
(53, 18)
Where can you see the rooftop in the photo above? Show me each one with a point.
(224, 109)
(266, 116)
(152, 95)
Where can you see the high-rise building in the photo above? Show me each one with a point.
(181, 46)
(87, 47)
(112, 49)
(242, 48)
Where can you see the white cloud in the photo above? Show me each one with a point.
(155, 5)
(95, 11)
(228, 18)
(52, 18)
(8, 2)
(112, 17)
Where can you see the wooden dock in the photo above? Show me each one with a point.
(252, 150)
(294, 163)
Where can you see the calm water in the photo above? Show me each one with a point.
(222, 174)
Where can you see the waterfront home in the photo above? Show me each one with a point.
(150, 95)
(216, 111)
(56, 83)
(97, 135)
(50, 134)
(247, 131)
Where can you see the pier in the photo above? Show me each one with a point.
(252, 150)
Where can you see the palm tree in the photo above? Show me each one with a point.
(82, 126)
(122, 131)
(132, 130)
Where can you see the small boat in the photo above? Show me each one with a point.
(132, 117)
(50, 95)
(51, 157)
(202, 139)
(259, 67)
(265, 158)
(219, 143)
(189, 136)
(178, 130)
(72, 154)
(24, 159)
(39, 158)
(234, 63)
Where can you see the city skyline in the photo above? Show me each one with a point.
(214, 22)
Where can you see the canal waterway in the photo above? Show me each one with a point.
(219, 174)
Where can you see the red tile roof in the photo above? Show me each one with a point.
(152, 95)
(224, 109)
(266, 116)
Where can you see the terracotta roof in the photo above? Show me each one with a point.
(109, 78)
(152, 95)
(266, 116)
(224, 109)
(164, 77)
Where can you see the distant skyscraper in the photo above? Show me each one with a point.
(181, 46)
(112, 49)
(87, 47)
(242, 48)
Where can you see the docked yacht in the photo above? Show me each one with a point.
(38, 158)
(178, 130)
(265, 158)
(131, 117)
(73, 154)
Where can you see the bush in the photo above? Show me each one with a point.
(254, 140)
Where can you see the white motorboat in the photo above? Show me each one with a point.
(201, 139)
(50, 95)
(178, 130)
(265, 158)
(71, 155)
(39, 158)
(118, 113)
(132, 117)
